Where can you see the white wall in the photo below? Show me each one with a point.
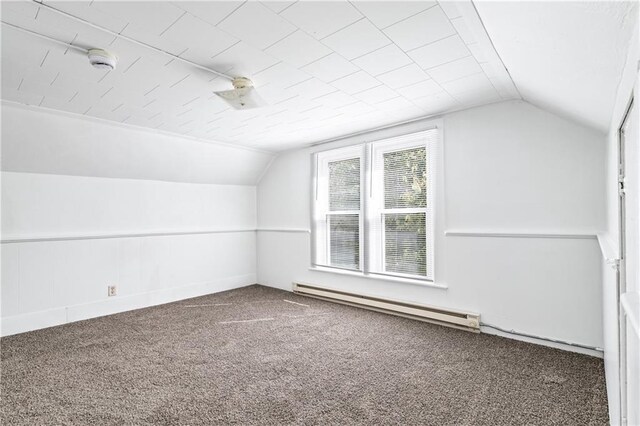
(508, 168)
(87, 204)
(51, 282)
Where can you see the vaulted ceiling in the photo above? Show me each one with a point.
(564, 56)
(325, 69)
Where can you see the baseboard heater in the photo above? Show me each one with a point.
(456, 319)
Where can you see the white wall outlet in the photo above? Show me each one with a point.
(111, 290)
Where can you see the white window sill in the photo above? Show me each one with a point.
(422, 283)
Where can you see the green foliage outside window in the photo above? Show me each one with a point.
(405, 186)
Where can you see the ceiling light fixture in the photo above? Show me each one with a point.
(242, 96)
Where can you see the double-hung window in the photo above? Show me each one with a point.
(373, 207)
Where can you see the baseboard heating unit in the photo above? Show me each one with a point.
(457, 319)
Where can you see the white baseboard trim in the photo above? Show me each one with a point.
(113, 305)
(542, 342)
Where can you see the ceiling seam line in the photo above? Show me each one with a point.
(496, 50)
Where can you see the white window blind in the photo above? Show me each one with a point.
(378, 220)
(343, 217)
(338, 209)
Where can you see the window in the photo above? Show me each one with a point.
(373, 207)
(339, 208)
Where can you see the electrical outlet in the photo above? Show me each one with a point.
(111, 290)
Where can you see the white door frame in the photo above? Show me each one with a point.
(621, 282)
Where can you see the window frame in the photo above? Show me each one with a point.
(376, 209)
(371, 151)
(320, 204)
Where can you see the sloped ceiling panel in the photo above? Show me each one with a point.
(566, 57)
(325, 68)
(36, 141)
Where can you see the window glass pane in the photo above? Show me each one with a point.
(405, 244)
(344, 240)
(405, 178)
(344, 184)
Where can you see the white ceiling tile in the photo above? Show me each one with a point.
(48, 23)
(210, 11)
(19, 17)
(404, 76)
(37, 86)
(257, 25)
(28, 9)
(325, 113)
(272, 94)
(356, 82)
(356, 109)
(298, 49)
(376, 95)
(77, 106)
(336, 100)
(277, 6)
(383, 60)
(279, 75)
(321, 19)
(72, 90)
(386, 13)
(22, 49)
(489, 69)
(296, 101)
(151, 17)
(21, 96)
(436, 103)
(463, 30)
(172, 45)
(88, 11)
(309, 89)
(456, 69)
(11, 76)
(475, 97)
(423, 28)
(478, 52)
(357, 39)
(440, 52)
(243, 59)
(128, 52)
(72, 64)
(450, 7)
(330, 68)
(418, 90)
(201, 39)
(465, 84)
(395, 104)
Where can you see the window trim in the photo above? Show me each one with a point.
(387, 278)
(376, 209)
(328, 156)
(367, 147)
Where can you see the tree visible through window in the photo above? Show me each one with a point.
(344, 213)
(405, 187)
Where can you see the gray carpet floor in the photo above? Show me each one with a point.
(198, 362)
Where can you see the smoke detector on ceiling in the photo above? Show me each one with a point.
(102, 59)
